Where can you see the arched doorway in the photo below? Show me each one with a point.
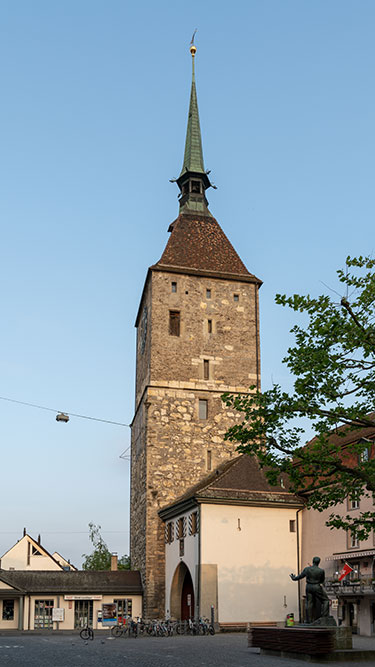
(182, 599)
(187, 598)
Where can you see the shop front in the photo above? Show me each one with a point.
(66, 600)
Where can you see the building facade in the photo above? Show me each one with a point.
(231, 542)
(352, 598)
(197, 337)
(29, 554)
(66, 600)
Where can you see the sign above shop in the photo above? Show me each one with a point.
(83, 597)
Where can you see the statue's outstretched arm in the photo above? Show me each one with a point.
(296, 577)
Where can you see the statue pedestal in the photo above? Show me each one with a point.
(316, 644)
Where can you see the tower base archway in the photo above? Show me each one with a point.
(182, 598)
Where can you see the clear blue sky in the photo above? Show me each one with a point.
(94, 99)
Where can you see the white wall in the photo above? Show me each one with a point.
(173, 559)
(16, 557)
(254, 563)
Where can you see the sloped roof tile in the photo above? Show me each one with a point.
(198, 242)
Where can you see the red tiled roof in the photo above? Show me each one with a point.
(199, 243)
(240, 479)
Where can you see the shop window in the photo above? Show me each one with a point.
(124, 609)
(203, 409)
(174, 323)
(206, 369)
(43, 614)
(83, 613)
(8, 610)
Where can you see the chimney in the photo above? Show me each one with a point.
(24, 532)
(114, 562)
(38, 539)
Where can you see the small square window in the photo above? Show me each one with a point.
(174, 287)
(203, 409)
(209, 326)
(353, 541)
(353, 504)
(208, 294)
(236, 297)
(292, 525)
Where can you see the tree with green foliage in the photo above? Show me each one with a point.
(100, 559)
(333, 363)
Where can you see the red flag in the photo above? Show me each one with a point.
(345, 571)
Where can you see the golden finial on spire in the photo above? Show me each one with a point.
(193, 48)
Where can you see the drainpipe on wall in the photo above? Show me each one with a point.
(20, 612)
(58, 604)
(199, 563)
(298, 567)
(256, 292)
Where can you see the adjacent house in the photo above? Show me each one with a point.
(40, 591)
(29, 554)
(65, 600)
(352, 599)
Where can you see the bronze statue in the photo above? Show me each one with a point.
(316, 595)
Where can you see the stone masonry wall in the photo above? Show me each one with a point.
(232, 344)
(170, 443)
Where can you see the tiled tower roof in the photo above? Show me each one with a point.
(200, 244)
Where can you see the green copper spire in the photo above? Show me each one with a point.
(193, 158)
(193, 180)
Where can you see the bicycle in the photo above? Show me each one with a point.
(209, 625)
(87, 633)
(118, 630)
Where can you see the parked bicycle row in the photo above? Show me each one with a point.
(167, 628)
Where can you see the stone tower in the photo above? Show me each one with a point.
(197, 337)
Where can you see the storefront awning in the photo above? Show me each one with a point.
(351, 554)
